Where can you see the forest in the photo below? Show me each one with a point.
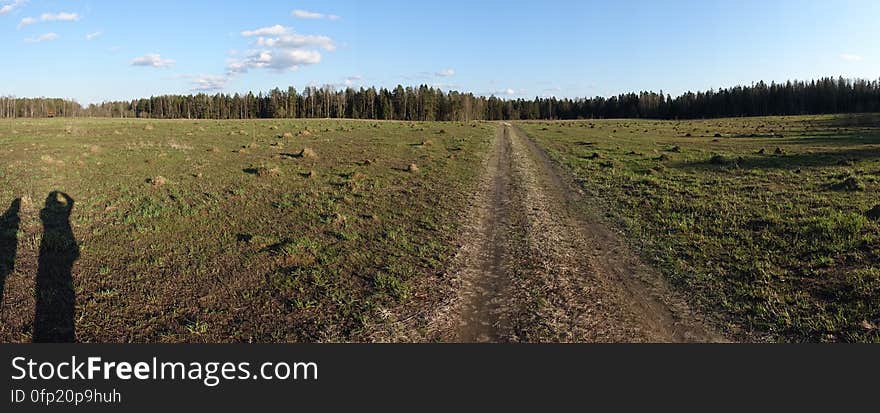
(424, 103)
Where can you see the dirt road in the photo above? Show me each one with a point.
(534, 266)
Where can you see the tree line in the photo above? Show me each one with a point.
(822, 96)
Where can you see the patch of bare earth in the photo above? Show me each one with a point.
(535, 267)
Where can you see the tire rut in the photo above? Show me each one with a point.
(534, 266)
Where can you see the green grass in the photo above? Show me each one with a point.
(218, 231)
(776, 242)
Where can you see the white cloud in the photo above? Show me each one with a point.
(59, 17)
(851, 57)
(446, 73)
(509, 92)
(278, 60)
(152, 60)
(93, 36)
(48, 37)
(276, 30)
(305, 14)
(279, 48)
(8, 8)
(209, 83)
(351, 80)
(26, 21)
(50, 17)
(298, 41)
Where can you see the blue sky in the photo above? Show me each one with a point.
(94, 50)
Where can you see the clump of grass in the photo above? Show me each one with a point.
(391, 285)
(851, 183)
(149, 127)
(157, 181)
(337, 219)
(264, 171)
(719, 160)
(50, 160)
(287, 135)
(779, 151)
(307, 153)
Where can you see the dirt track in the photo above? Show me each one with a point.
(535, 267)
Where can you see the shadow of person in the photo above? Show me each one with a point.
(53, 319)
(9, 223)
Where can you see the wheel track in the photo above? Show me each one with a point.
(535, 266)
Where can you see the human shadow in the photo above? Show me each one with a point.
(9, 223)
(54, 315)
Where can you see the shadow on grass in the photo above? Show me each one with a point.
(854, 120)
(793, 160)
(55, 297)
(9, 224)
(837, 139)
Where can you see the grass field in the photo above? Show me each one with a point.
(265, 231)
(763, 222)
(292, 230)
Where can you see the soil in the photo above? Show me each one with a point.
(537, 265)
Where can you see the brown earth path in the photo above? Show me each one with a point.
(536, 266)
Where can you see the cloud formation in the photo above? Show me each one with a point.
(298, 41)
(93, 36)
(305, 14)
(276, 30)
(209, 83)
(507, 92)
(49, 17)
(26, 21)
(152, 60)
(445, 73)
(48, 37)
(279, 48)
(278, 60)
(351, 79)
(851, 57)
(10, 7)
